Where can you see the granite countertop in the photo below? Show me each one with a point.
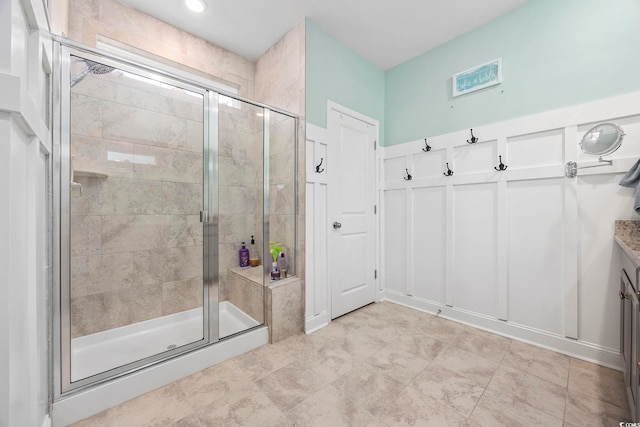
(627, 235)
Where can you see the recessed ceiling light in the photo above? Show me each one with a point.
(196, 5)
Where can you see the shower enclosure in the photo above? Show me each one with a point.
(160, 177)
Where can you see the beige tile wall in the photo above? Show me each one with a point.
(277, 78)
(136, 239)
(91, 19)
(240, 184)
(280, 81)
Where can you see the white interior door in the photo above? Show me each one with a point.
(353, 222)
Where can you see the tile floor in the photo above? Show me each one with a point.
(386, 365)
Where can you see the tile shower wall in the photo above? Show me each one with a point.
(136, 238)
(280, 81)
(282, 184)
(240, 139)
(92, 20)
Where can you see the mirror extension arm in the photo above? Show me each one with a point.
(571, 168)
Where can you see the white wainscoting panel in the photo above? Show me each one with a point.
(429, 164)
(475, 248)
(317, 279)
(395, 241)
(475, 158)
(601, 202)
(395, 169)
(536, 250)
(534, 150)
(429, 243)
(524, 252)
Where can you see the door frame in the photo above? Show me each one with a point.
(331, 127)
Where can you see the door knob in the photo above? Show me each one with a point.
(337, 225)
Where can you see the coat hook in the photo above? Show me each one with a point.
(473, 139)
(427, 147)
(501, 166)
(449, 172)
(318, 170)
(408, 177)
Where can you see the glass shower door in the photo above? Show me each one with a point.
(134, 164)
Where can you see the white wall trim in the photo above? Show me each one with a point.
(16, 101)
(317, 322)
(318, 274)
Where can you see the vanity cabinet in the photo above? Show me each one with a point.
(630, 333)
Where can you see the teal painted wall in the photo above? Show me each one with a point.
(336, 73)
(554, 54)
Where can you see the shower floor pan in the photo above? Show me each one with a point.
(100, 352)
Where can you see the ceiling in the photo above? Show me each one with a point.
(386, 32)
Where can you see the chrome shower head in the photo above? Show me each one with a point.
(93, 68)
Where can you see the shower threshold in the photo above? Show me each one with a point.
(102, 351)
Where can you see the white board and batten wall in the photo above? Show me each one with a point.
(317, 294)
(525, 252)
(25, 269)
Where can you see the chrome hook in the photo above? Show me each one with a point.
(501, 166)
(473, 139)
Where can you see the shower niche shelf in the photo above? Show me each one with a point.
(90, 174)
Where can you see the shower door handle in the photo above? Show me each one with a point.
(336, 225)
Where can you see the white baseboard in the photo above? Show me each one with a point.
(318, 321)
(575, 348)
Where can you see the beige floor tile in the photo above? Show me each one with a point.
(331, 333)
(466, 364)
(333, 363)
(362, 344)
(204, 388)
(584, 410)
(485, 344)
(164, 406)
(302, 348)
(367, 387)
(498, 409)
(355, 372)
(327, 408)
(397, 363)
(263, 361)
(597, 381)
(545, 364)
(412, 408)
(443, 329)
(449, 388)
(245, 409)
(289, 386)
(602, 370)
(531, 390)
(420, 345)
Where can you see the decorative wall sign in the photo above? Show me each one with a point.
(478, 77)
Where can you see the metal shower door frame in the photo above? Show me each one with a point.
(63, 50)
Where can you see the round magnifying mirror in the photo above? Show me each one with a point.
(602, 139)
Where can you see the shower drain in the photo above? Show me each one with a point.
(171, 347)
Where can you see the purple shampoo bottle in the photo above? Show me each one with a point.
(243, 254)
